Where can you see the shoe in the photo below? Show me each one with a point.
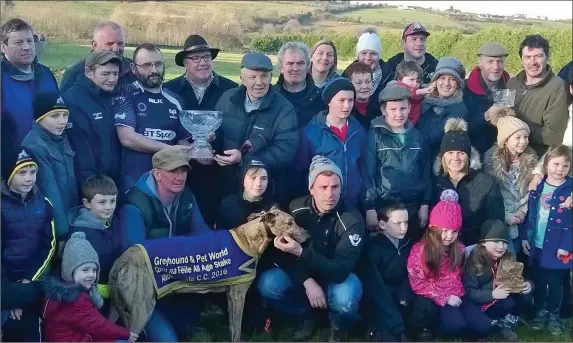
(337, 335)
(304, 331)
(540, 321)
(507, 332)
(425, 336)
(554, 324)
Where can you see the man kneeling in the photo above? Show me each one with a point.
(323, 269)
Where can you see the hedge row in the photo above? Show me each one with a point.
(440, 43)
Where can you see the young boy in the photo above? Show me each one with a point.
(28, 242)
(48, 143)
(397, 162)
(409, 75)
(95, 219)
(387, 291)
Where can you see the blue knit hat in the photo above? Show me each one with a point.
(334, 86)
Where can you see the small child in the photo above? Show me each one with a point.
(547, 238)
(511, 162)
(496, 301)
(409, 75)
(70, 307)
(95, 219)
(48, 143)
(435, 274)
(387, 292)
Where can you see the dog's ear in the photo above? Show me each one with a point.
(269, 217)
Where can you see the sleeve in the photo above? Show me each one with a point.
(419, 278)
(566, 242)
(555, 119)
(495, 208)
(40, 263)
(539, 167)
(526, 225)
(79, 137)
(369, 174)
(69, 78)
(473, 289)
(17, 294)
(122, 110)
(198, 225)
(337, 268)
(426, 177)
(131, 227)
(304, 156)
(86, 318)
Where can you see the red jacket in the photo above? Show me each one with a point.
(70, 316)
(439, 287)
(415, 103)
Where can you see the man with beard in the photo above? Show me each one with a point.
(541, 98)
(146, 115)
(414, 45)
(110, 36)
(487, 77)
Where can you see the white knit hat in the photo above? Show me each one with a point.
(369, 40)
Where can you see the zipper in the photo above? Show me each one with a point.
(169, 220)
(345, 177)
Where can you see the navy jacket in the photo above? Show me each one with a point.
(216, 88)
(395, 169)
(28, 235)
(77, 69)
(318, 139)
(309, 102)
(558, 234)
(428, 68)
(564, 72)
(91, 131)
(372, 112)
(18, 96)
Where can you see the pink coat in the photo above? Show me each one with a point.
(425, 284)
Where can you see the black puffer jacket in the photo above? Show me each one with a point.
(309, 101)
(428, 68)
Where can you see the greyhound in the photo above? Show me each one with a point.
(132, 291)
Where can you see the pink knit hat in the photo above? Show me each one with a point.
(447, 214)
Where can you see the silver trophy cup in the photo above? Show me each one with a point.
(504, 97)
(201, 124)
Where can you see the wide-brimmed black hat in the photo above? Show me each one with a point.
(195, 43)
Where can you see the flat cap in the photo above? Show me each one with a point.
(492, 49)
(494, 230)
(256, 61)
(101, 57)
(394, 92)
(170, 159)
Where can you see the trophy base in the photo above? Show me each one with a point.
(204, 152)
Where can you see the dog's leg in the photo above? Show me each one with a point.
(236, 302)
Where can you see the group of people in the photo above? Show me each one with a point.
(414, 181)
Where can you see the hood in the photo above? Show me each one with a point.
(58, 290)
(379, 122)
(320, 121)
(146, 184)
(476, 84)
(521, 77)
(82, 217)
(497, 166)
(475, 162)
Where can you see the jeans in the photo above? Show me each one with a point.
(277, 289)
(171, 317)
(548, 286)
(514, 246)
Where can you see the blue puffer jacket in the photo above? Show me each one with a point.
(318, 139)
(558, 234)
(18, 93)
(564, 72)
(28, 236)
(435, 113)
(395, 169)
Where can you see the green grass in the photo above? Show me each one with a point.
(393, 14)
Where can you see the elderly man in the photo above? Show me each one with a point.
(91, 130)
(414, 45)
(323, 269)
(160, 206)
(107, 35)
(146, 115)
(258, 123)
(541, 97)
(487, 77)
(22, 78)
(295, 82)
(200, 88)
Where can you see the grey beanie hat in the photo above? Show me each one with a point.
(450, 66)
(319, 165)
(77, 251)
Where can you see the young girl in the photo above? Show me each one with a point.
(435, 274)
(511, 162)
(547, 238)
(70, 308)
(496, 301)
(409, 75)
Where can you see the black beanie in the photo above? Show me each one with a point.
(336, 85)
(14, 160)
(494, 230)
(456, 137)
(45, 103)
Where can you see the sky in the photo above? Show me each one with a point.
(552, 9)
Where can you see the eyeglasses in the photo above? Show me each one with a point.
(197, 59)
(157, 65)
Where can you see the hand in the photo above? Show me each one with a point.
(133, 337)
(25, 281)
(454, 301)
(432, 87)
(16, 314)
(567, 204)
(372, 220)
(315, 294)
(247, 147)
(535, 182)
(561, 252)
(520, 216)
(233, 156)
(525, 246)
(423, 215)
(500, 292)
(526, 288)
(288, 245)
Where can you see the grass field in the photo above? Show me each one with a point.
(393, 14)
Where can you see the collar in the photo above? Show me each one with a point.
(94, 89)
(194, 85)
(16, 73)
(522, 77)
(47, 135)
(138, 85)
(476, 83)
(240, 98)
